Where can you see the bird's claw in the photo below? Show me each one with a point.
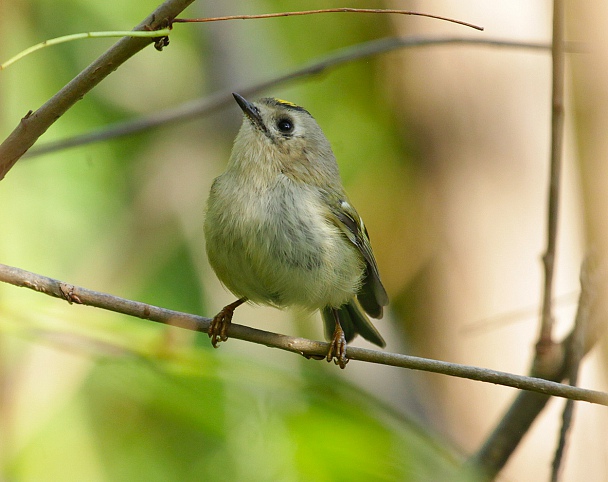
(337, 348)
(218, 329)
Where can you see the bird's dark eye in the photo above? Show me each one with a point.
(285, 125)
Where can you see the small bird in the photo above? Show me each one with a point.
(280, 230)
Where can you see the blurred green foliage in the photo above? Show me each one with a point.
(145, 420)
(89, 395)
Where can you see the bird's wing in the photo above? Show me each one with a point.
(372, 295)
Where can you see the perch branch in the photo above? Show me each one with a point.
(302, 346)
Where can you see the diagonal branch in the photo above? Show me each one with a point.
(591, 313)
(34, 124)
(302, 346)
(216, 101)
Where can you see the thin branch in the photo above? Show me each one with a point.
(302, 346)
(165, 32)
(84, 35)
(567, 418)
(582, 332)
(325, 10)
(545, 341)
(214, 102)
(34, 124)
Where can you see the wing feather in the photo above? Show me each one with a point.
(372, 295)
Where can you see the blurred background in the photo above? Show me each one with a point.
(444, 151)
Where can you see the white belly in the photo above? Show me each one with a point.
(268, 249)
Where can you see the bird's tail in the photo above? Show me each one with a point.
(353, 321)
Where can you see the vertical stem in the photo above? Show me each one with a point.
(557, 128)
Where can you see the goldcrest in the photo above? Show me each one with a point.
(280, 230)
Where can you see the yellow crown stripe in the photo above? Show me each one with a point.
(287, 103)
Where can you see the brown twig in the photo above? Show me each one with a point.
(583, 332)
(545, 343)
(302, 346)
(34, 124)
(325, 10)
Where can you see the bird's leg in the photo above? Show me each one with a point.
(337, 347)
(218, 329)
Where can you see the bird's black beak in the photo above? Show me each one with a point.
(250, 110)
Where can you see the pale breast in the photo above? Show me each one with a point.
(276, 246)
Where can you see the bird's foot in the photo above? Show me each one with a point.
(218, 329)
(337, 348)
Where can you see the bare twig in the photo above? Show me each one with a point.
(545, 342)
(302, 346)
(325, 10)
(165, 32)
(34, 124)
(567, 418)
(84, 35)
(583, 331)
(214, 102)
